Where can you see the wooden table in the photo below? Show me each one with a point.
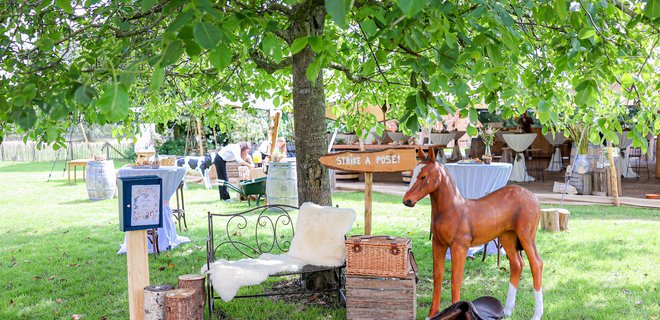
(75, 164)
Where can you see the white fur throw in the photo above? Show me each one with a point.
(320, 231)
(319, 240)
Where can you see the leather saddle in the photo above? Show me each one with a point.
(483, 308)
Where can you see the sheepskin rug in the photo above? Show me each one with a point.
(318, 240)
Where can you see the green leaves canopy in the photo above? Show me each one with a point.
(416, 59)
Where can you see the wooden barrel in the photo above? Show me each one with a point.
(346, 175)
(282, 183)
(101, 180)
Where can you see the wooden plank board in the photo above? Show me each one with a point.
(138, 271)
(380, 298)
(388, 160)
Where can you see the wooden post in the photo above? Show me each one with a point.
(199, 136)
(84, 134)
(138, 271)
(614, 175)
(154, 301)
(196, 282)
(273, 138)
(368, 182)
(657, 159)
(180, 304)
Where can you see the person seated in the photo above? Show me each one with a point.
(232, 152)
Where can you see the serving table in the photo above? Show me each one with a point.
(519, 142)
(556, 140)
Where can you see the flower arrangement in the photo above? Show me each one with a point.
(488, 135)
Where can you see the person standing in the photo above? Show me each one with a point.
(232, 152)
(525, 122)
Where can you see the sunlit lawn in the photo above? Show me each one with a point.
(58, 256)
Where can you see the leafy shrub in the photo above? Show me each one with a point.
(173, 147)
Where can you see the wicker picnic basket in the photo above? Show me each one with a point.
(381, 256)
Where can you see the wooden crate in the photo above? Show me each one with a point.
(381, 298)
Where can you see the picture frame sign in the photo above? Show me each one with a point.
(140, 203)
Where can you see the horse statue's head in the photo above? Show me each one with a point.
(425, 178)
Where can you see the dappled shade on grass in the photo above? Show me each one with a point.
(58, 256)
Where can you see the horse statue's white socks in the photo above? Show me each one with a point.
(538, 304)
(510, 300)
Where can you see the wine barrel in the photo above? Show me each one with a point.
(282, 184)
(101, 180)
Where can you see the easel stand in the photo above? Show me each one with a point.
(138, 271)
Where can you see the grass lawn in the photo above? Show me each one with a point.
(58, 256)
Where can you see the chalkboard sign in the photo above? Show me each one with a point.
(140, 203)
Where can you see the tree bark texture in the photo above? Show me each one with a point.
(309, 110)
(154, 301)
(195, 281)
(180, 304)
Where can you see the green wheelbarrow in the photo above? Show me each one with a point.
(247, 188)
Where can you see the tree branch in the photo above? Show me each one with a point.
(144, 29)
(154, 9)
(267, 64)
(348, 73)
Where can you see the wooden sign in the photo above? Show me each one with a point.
(140, 203)
(388, 160)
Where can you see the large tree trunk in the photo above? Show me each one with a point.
(309, 111)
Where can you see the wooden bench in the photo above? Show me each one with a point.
(248, 234)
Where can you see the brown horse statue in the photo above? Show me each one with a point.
(511, 213)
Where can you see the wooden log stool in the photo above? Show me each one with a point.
(381, 298)
(554, 219)
(180, 304)
(196, 282)
(154, 301)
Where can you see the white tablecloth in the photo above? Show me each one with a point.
(444, 139)
(519, 143)
(456, 151)
(475, 181)
(623, 163)
(556, 162)
(172, 177)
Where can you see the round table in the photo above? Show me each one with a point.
(623, 163)
(456, 151)
(519, 142)
(475, 180)
(172, 177)
(556, 162)
(443, 139)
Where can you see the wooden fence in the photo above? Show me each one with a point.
(19, 151)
